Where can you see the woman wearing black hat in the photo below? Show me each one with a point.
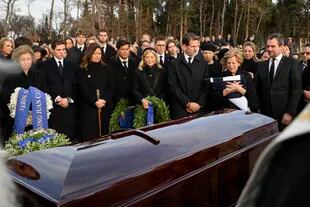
(150, 79)
(214, 67)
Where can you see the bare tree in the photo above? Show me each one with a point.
(28, 4)
(8, 9)
(51, 19)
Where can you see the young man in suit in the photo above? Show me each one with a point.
(160, 47)
(61, 77)
(107, 50)
(123, 66)
(76, 53)
(186, 77)
(278, 84)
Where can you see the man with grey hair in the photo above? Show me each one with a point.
(278, 84)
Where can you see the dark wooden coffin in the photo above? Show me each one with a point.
(196, 161)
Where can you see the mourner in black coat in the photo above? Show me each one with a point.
(208, 51)
(220, 99)
(95, 76)
(76, 53)
(250, 60)
(186, 77)
(62, 77)
(106, 49)
(123, 66)
(26, 78)
(305, 86)
(278, 93)
(150, 78)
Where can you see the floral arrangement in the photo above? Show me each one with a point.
(34, 140)
(162, 112)
(13, 103)
(119, 110)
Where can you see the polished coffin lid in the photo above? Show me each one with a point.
(63, 174)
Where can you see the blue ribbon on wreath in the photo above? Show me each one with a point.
(150, 114)
(23, 143)
(126, 119)
(37, 100)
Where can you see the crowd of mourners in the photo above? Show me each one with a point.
(196, 75)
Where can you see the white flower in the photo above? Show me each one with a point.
(13, 103)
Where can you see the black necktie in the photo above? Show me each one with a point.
(161, 60)
(189, 60)
(125, 66)
(60, 67)
(80, 49)
(271, 72)
(103, 51)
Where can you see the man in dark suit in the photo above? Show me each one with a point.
(76, 53)
(172, 49)
(278, 84)
(107, 50)
(160, 47)
(123, 66)
(61, 77)
(186, 76)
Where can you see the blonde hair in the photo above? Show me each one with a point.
(21, 50)
(234, 52)
(3, 40)
(142, 63)
(254, 48)
(91, 38)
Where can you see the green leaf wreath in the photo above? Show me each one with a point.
(162, 112)
(119, 110)
(12, 146)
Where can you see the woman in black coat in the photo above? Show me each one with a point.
(150, 79)
(250, 61)
(95, 76)
(27, 77)
(232, 60)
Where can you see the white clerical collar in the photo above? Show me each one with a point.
(57, 60)
(123, 60)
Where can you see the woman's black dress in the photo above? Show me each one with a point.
(33, 78)
(97, 76)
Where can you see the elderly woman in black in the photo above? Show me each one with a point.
(96, 79)
(150, 79)
(232, 61)
(26, 77)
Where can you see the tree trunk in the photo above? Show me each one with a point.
(259, 22)
(51, 20)
(238, 25)
(234, 32)
(181, 20)
(65, 18)
(248, 20)
(223, 17)
(201, 18)
(212, 18)
(93, 16)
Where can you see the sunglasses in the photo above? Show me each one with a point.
(307, 53)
